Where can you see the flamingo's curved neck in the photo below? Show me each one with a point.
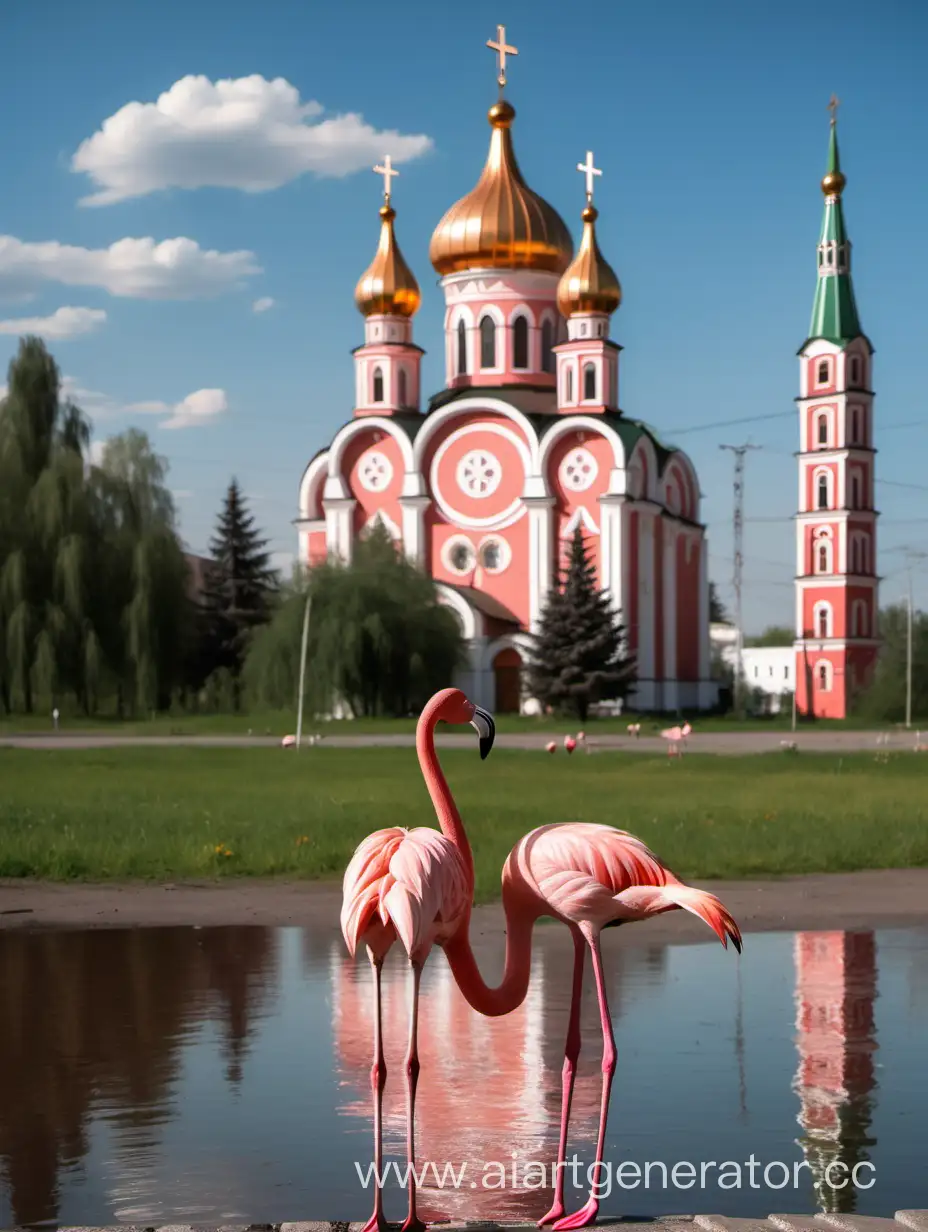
(519, 924)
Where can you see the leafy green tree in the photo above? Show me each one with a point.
(773, 635)
(578, 655)
(240, 588)
(379, 640)
(717, 613)
(886, 697)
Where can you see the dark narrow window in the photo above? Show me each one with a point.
(823, 558)
(823, 372)
(823, 491)
(401, 386)
(487, 343)
(823, 429)
(589, 382)
(823, 622)
(462, 348)
(547, 341)
(855, 371)
(520, 343)
(569, 385)
(378, 385)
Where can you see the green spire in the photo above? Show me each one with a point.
(834, 311)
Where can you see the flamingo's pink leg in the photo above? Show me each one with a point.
(413, 1222)
(378, 1082)
(587, 1214)
(568, 1074)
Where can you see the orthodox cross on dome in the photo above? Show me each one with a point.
(589, 171)
(502, 49)
(388, 172)
(833, 105)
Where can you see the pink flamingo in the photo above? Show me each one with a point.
(551, 747)
(675, 736)
(569, 743)
(589, 877)
(414, 886)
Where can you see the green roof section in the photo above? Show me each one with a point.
(834, 309)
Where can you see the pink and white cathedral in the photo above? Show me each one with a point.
(485, 484)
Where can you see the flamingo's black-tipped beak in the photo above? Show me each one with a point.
(483, 725)
(736, 942)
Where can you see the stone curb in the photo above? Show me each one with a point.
(911, 1221)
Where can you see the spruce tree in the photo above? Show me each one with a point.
(578, 655)
(239, 588)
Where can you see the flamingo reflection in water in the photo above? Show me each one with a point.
(417, 886)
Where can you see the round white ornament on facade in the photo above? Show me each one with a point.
(495, 554)
(578, 470)
(375, 472)
(479, 473)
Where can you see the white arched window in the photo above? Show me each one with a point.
(520, 342)
(487, 342)
(462, 348)
(377, 384)
(822, 490)
(821, 428)
(589, 382)
(823, 619)
(823, 555)
(822, 370)
(823, 676)
(547, 342)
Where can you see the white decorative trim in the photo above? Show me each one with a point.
(585, 423)
(369, 423)
(452, 542)
(578, 470)
(669, 611)
(375, 471)
(467, 615)
(540, 520)
(580, 516)
(478, 474)
(496, 521)
(379, 518)
(466, 406)
(313, 475)
(820, 608)
(505, 553)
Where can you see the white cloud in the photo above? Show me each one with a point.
(197, 408)
(63, 323)
(202, 406)
(262, 304)
(248, 133)
(130, 268)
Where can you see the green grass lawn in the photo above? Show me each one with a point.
(278, 723)
(182, 813)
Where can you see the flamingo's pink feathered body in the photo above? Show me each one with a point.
(405, 884)
(593, 874)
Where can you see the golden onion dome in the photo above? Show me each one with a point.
(501, 223)
(589, 283)
(388, 285)
(833, 183)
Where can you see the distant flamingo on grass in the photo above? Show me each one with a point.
(414, 886)
(676, 737)
(589, 877)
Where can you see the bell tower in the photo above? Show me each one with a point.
(836, 580)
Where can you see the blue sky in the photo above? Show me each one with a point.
(708, 120)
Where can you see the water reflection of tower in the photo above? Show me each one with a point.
(835, 992)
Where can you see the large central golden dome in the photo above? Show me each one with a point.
(501, 223)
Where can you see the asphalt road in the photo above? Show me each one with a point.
(727, 743)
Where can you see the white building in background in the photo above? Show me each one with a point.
(769, 671)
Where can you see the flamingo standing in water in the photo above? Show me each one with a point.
(589, 877)
(414, 886)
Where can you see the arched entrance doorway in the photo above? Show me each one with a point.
(507, 675)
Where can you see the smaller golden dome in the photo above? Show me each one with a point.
(589, 283)
(833, 184)
(388, 285)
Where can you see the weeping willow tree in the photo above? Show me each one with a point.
(92, 575)
(379, 640)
